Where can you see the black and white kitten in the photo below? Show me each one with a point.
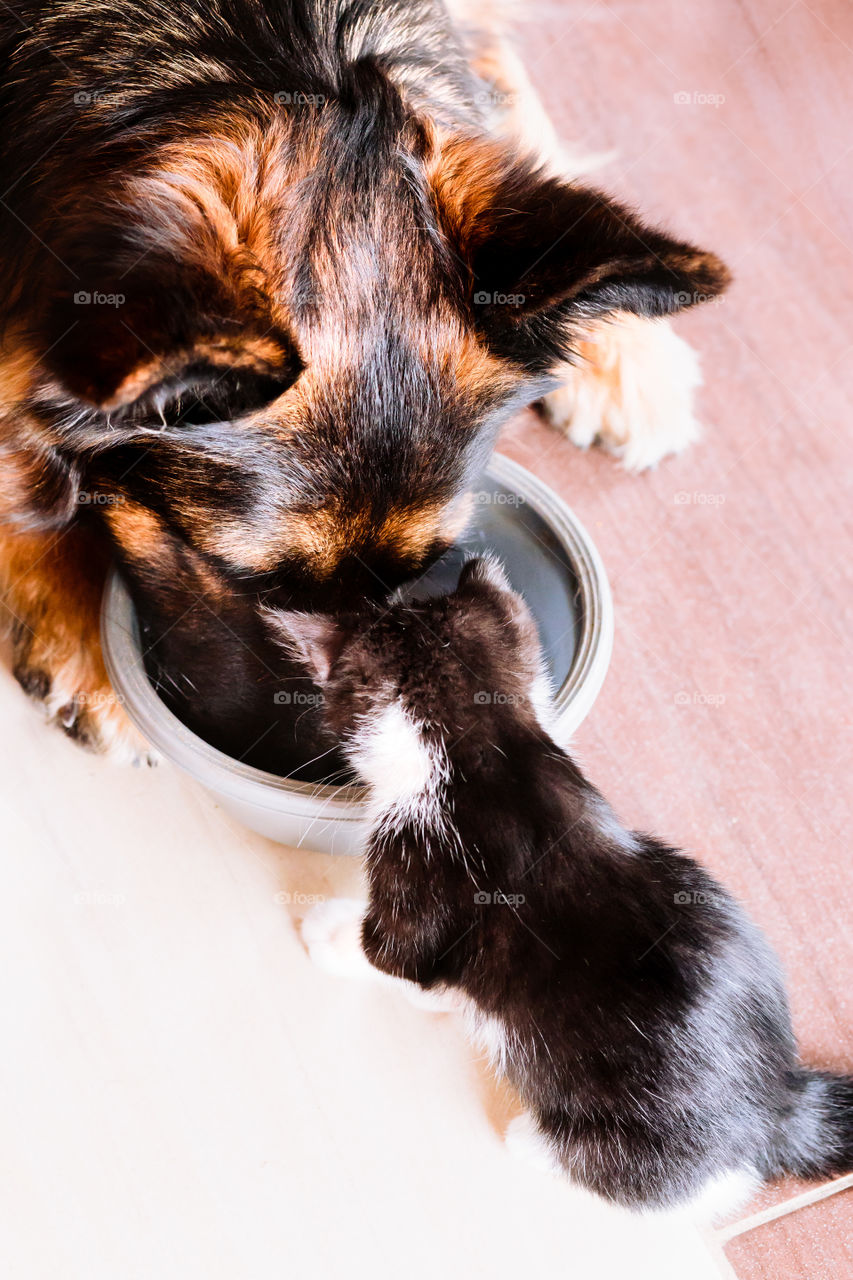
(634, 1007)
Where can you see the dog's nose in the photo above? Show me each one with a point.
(368, 575)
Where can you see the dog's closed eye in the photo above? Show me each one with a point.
(206, 394)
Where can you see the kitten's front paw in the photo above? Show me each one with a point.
(331, 932)
(524, 1141)
(432, 999)
(631, 392)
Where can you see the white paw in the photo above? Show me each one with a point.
(331, 932)
(434, 1000)
(631, 392)
(524, 1141)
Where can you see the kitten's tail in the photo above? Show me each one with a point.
(817, 1133)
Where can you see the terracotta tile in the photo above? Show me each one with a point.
(814, 1242)
(723, 723)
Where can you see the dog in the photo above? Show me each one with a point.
(275, 275)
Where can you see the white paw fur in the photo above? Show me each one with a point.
(331, 932)
(631, 392)
(524, 1141)
(434, 1000)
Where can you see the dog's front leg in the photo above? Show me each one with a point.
(51, 584)
(631, 389)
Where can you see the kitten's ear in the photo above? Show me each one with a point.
(484, 571)
(488, 572)
(544, 255)
(314, 639)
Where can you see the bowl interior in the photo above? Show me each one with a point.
(548, 557)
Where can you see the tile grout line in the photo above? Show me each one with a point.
(718, 1254)
(822, 1192)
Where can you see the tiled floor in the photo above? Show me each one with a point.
(185, 1096)
(814, 1241)
(725, 722)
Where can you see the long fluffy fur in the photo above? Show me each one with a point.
(626, 995)
(271, 288)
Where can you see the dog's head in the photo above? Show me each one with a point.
(285, 336)
(269, 339)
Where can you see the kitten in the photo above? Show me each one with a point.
(626, 996)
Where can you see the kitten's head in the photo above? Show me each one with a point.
(450, 665)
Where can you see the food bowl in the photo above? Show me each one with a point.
(548, 557)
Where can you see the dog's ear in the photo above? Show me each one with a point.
(153, 280)
(544, 256)
(124, 331)
(314, 639)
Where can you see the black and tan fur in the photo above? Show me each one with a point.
(283, 220)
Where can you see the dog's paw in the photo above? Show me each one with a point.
(331, 932)
(631, 392)
(59, 669)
